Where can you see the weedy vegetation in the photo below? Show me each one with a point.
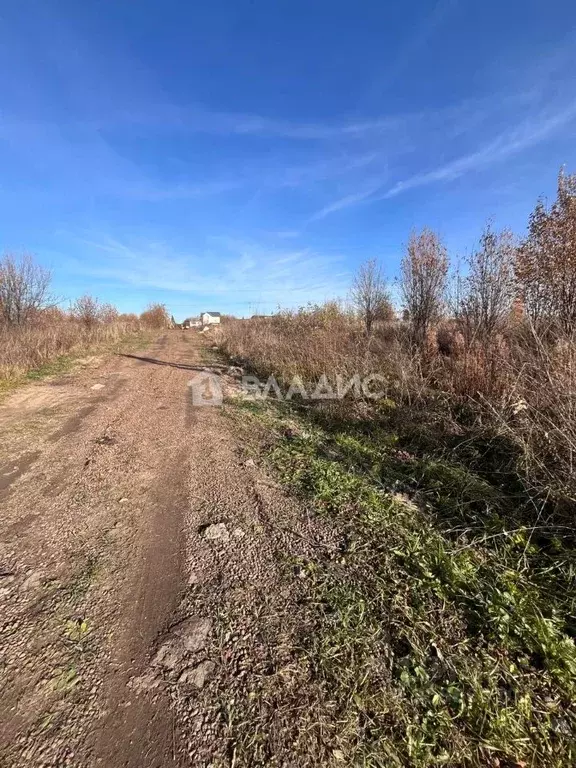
(38, 338)
(443, 628)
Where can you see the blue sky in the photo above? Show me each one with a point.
(235, 156)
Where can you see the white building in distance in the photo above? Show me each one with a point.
(210, 318)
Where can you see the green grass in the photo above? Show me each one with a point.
(443, 628)
(60, 365)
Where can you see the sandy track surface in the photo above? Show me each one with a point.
(131, 528)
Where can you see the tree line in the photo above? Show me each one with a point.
(26, 297)
(504, 278)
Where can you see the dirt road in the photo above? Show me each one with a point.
(138, 567)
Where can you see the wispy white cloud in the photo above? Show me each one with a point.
(226, 269)
(348, 201)
(81, 156)
(169, 118)
(503, 146)
(509, 142)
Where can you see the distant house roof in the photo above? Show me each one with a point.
(212, 314)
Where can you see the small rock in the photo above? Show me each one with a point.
(249, 463)
(33, 580)
(238, 533)
(146, 682)
(199, 674)
(194, 578)
(560, 725)
(98, 386)
(216, 532)
(193, 632)
(167, 656)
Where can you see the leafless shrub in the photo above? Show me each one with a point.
(129, 318)
(370, 296)
(155, 316)
(424, 274)
(24, 288)
(87, 310)
(489, 288)
(108, 314)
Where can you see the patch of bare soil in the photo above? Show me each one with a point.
(149, 578)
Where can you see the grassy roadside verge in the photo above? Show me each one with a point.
(443, 631)
(66, 363)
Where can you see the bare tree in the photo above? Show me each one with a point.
(24, 288)
(370, 295)
(87, 310)
(424, 274)
(489, 289)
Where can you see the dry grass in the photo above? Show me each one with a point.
(29, 348)
(307, 343)
(514, 383)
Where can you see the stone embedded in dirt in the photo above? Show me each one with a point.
(249, 463)
(194, 578)
(200, 674)
(98, 386)
(167, 656)
(216, 532)
(197, 675)
(193, 632)
(238, 533)
(146, 682)
(33, 580)
(189, 636)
